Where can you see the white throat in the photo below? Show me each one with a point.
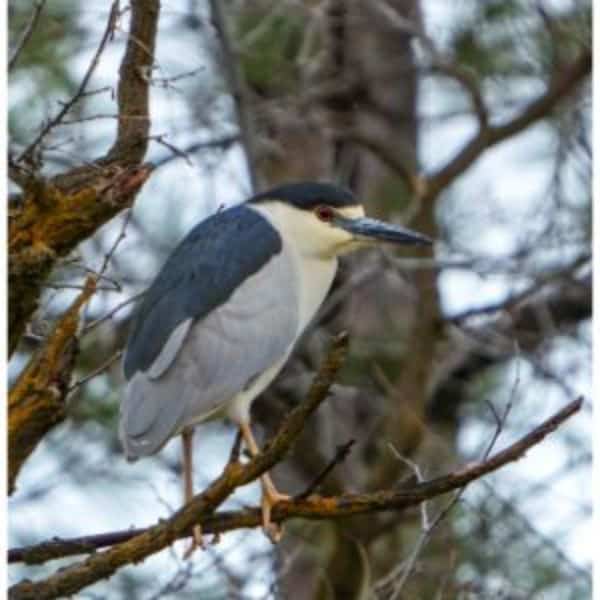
(313, 247)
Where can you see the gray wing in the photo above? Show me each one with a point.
(206, 362)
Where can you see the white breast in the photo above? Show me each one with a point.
(306, 245)
(316, 277)
(313, 272)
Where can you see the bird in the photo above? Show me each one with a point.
(224, 313)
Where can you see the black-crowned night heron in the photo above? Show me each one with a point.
(224, 313)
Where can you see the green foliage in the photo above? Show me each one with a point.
(391, 196)
(269, 61)
(103, 411)
(507, 38)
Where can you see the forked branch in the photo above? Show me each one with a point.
(135, 545)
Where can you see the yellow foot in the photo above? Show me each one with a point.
(197, 542)
(270, 498)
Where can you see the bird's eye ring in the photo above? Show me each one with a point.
(324, 213)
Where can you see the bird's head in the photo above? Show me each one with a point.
(326, 220)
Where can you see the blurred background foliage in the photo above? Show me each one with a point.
(502, 316)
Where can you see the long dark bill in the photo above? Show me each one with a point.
(379, 231)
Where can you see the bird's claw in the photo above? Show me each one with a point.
(274, 531)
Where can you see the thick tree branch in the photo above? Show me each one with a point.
(100, 566)
(50, 223)
(314, 507)
(133, 93)
(55, 215)
(37, 401)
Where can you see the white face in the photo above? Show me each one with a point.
(310, 231)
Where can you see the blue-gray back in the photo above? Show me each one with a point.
(214, 259)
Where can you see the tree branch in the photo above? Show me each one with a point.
(27, 33)
(314, 507)
(487, 136)
(50, 223)
(429, 186)
(567, 305)
(56, 215)
(27, 154)
(100, 566)
(133, 93)
(37, 401)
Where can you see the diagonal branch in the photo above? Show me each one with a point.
(429, 186)
(26, 35)
(37, 401)
(100, 566)
(487, 136)
(313, 507)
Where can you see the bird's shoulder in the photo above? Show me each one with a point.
(201, 273)
(237, 237)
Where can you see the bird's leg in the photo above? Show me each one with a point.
(270, 495)
(188, 486)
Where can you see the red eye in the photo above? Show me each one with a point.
(324, 213)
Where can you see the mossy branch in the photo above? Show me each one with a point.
(135, 545)
(37, 401)
(70, 580)
(55, 215)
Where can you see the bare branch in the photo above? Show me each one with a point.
(110, 314)
(27, 154)
(222, 142)
(133, 92)
(341, 454)
(37, 401)
(97, 371)
(100, 566)
(27, 33)
(236, 86)
(561, 86)
(314, 507)
(50, 223)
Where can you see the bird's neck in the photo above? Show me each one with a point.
(313, 268)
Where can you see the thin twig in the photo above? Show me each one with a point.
(501, 419)
(341, 453)
(234, 455)
(223, 142)
(419, 477)
(27, 33)
(66, 107)
(113, 312)
(97, 371)
(120, 237)
(58, 285)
